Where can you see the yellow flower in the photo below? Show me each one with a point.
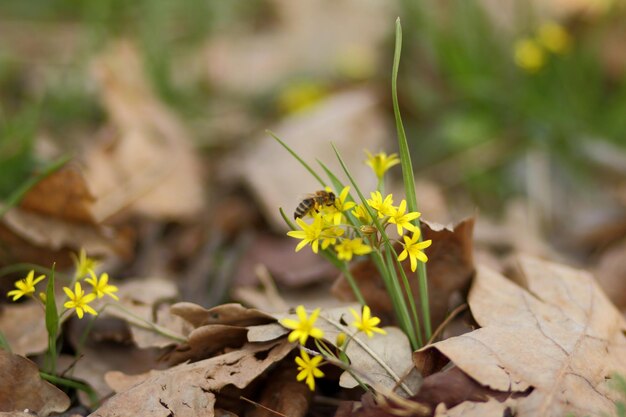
(83, 264)
(79, 301)
(554, 37)
(380, 162)
(308, 369)
(330, 235)
(340, 340)
(301, 95)
(529, 55)
(383, 207)
(349, 247)
(361, 213)
(342, 205)
(366, 323)
(101, 286)
(413, 249)
(310, 234)
(26, 286)
(402, 220)
(303, 328)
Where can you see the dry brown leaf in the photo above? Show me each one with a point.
(284, 394)
(190, 390)
(23, 325)
(150, 168)
(450, 268)
(229, 314)
(21, 388)
(490, 408)
(28, 236)
(557, 333)
(63, 195)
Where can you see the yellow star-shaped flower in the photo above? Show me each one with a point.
(101, 286)
(413, 249)
(381, 162)
(366, 323)
(26, 286)
(79, 301)
(310, 233)
(303, 328)
(350, 247)
(384, 207)
(308, 368)
(403, 220)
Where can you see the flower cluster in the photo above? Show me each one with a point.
(531, 53)
(304, 327)
(351, 230)
(77, 299)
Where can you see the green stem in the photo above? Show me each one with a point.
(408, 175)
(295, 155)
(93, 397)
(148, 325)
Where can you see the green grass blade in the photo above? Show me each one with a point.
(408, 176)
(72, 383)
(295, 155)
(392, 282)
(52, 323)
(4, 343)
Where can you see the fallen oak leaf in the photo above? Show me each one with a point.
(557, 333)
(22, 388)
(189, 390)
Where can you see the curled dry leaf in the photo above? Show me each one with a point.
(22, 388)
(64, 195)
(284, 394)
(450, 268)
(150, 168)
(54, 217)
(189, 390)
(220, 327)
(556, 333)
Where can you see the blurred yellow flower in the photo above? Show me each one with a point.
(26, 286)
(529, 55)
(83, 264)
(299, 96)
(101, 285)
(554, 37)
(350, 247)
(381, 162)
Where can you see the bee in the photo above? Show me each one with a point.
(314, 202)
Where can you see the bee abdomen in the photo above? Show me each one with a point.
(303, 208)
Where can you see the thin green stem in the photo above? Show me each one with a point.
(391, 278)
(353, 284)
(91, 393)
(408, 175)
(148, 325)
(4, 343)
(295, 155)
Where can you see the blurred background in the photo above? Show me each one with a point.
(515, 113)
